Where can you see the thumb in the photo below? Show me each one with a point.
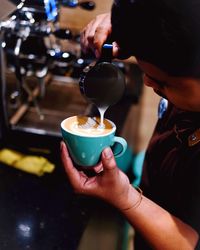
(108, 160)
(115, 50)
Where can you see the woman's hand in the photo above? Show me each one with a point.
(96, 33)
(109, 184)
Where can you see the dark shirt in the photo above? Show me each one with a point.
(171, 171)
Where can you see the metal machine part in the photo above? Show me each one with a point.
(7, 7)
(36, 92)
(31, 47)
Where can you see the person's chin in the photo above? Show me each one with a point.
(159, 93)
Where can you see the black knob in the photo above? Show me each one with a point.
(63, 33)
(88, 5)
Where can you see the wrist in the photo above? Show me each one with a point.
(133, 199)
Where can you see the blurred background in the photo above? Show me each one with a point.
(41, 64)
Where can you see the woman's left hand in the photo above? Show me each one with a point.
(109, 183)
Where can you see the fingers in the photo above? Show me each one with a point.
(79, 180)
(98, 168)
(87, 36)
(72, 173)
(108, 160)
(96, 33)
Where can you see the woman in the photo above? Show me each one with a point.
(165, 40)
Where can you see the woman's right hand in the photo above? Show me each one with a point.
(96, 33)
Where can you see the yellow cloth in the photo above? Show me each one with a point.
(32, 164)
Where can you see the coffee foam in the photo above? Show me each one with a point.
(88, 126)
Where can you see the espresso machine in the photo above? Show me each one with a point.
(40, 66)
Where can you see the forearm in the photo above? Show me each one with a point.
(161, 229)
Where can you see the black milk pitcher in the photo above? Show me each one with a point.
(103, 84)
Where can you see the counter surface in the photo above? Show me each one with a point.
(39, 213)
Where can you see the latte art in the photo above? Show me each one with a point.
(89, 126)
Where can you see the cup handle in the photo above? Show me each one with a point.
(123, 144)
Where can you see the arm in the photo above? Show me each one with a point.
(161, 229)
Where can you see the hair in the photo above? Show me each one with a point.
(165, 33)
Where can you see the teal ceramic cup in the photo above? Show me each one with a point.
(86, 149)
